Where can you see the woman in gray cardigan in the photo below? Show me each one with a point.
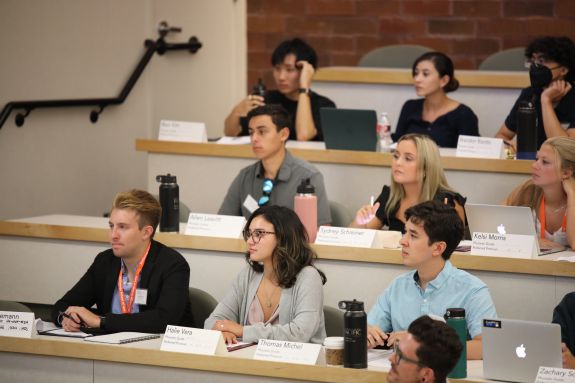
(279, 294)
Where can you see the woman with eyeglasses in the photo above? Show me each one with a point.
(416, 176)
(279, 293)
(551, 62)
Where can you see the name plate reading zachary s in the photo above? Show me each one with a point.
(479, 147)
(555, 375)
(504, 245)
(345, 236)
(213, 225)
(17, 324)
(288, 352)
(182, 131)
(193, 341)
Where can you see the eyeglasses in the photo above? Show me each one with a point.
(400, 356)
(256, 235)
(540, 60)
(267, 188)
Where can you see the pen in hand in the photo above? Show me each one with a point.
(64, 314)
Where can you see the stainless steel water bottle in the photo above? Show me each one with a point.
(526, 119)
(455, 318)
(355, 334)
(170, 203)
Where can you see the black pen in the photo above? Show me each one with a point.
(81, 323)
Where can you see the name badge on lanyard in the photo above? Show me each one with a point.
(141, 296)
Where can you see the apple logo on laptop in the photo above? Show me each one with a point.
(501, 229)
(520, 351)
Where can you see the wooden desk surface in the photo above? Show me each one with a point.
(542, 266)
(467, 78)
(345, 157)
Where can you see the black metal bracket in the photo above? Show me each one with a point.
(152, 46)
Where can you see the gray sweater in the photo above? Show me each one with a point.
(300, 308)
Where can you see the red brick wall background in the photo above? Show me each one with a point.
(342, 31)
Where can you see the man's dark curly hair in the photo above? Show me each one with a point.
(559, 49)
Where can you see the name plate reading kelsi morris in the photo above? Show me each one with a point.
(17, 324)
(288, 352)
(213, 225)
(345, 236)
(504, 245)
(193, 341)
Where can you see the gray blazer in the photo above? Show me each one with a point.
(300, 309)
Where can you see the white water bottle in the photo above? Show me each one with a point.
(384, 133)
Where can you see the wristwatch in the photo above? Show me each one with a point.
(304, 90)
(103, 323)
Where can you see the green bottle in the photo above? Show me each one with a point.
(455, 318)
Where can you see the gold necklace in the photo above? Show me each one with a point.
(268, 298)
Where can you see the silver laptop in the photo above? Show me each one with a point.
(513, 350)
(504, 220)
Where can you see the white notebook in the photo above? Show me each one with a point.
(122, 337)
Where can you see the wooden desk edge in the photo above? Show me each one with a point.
(345, 157)
(335, 253)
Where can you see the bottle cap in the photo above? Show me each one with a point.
(305, 187)
(167, 179)
(354, 305)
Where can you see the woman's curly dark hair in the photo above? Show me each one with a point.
(292, 252)
(559, 49)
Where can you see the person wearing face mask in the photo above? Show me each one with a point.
(551, 63)
(294, 64)
(436, 115)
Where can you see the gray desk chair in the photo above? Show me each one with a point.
(14, 306)
(333, 321)
(202, 306)
(341, 216)
(510, 59)
(393, 56)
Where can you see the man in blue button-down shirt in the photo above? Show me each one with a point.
(432, 231)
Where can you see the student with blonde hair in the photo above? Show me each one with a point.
(416, 176)
(550, 192)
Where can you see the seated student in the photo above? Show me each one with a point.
(433, 230)
(416, 176)
(436, 115)
(137, 285)
(550, 192)
(428, 353)
(552, 71)
(274, 179)
(294, 63)
(279, 294)
(564, 315)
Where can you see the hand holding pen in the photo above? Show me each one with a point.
(366, 212)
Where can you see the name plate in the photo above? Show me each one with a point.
(504, 245)
(182, 131)
(555, 375)
(16, 324)
(193, 341)
(213, 225)
(288, 352)
(345, 236)
(480, 147)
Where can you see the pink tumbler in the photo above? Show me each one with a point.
(305, 206)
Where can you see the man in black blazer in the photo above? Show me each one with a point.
(137, 285)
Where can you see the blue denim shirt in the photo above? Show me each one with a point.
(116, 306)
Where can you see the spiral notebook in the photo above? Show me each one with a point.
(122, 337)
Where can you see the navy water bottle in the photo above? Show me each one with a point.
(455, 318)
(526, 119)
(355, 334)
(170, 203)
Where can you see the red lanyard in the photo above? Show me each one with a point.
(542, 219)
(127, 309)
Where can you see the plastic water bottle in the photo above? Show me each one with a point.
(455, 318)
(384, 133)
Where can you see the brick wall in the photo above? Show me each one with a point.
(343, 30)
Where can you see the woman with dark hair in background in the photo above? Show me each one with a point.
(436, 115)
(279, 294)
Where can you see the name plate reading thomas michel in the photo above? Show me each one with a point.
(213, 225)
(504, 245)
(345, 236)
(288, 352)
(193, 341)
(16, 324)
(555, 375)
(479, 147)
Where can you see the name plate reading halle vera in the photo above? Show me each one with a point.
(16, 324)
(193, 341)
(213, 225)
(345, 236)
(504, 245)
(288, 352)
(480, 147)
(555, 375)
(182, 131)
